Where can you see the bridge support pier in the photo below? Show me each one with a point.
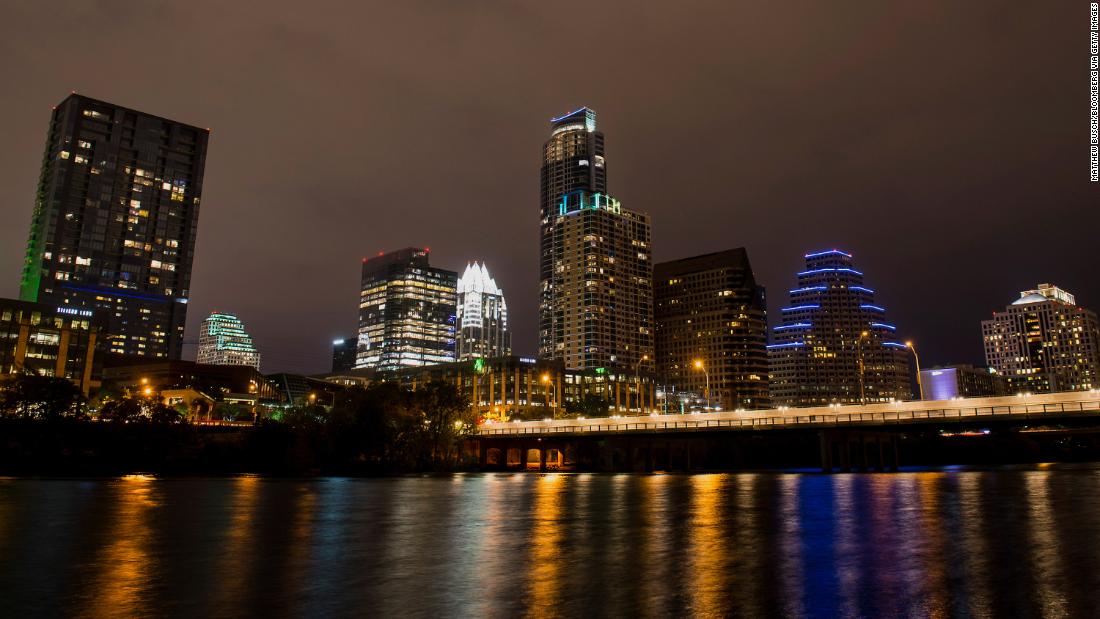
(875, 451)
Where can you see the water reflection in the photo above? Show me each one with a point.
(929, 544)
(239, 541)
(544, 566)
(1045, 551)
(975, 547)
(790, 546)
(126, 562)
(707, 550)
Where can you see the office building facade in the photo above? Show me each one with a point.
(596, 270)
(224, 341)
(406, 311)
(482, 316)
(1044, 342)
(64, 342)
(709, 309)
(834, 344)
(114, 224)
(513, 387)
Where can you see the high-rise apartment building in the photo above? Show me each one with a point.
(115, 218)
(596, 271)
(224, 341)
(1044, 342)
(406, 311)
(834, 344)
(712, 328)
(482, 318)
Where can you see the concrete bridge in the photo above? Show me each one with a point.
(846, 437)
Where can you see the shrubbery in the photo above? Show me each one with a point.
(380, 429)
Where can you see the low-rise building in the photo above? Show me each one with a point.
(962, 381)
(191, 384)
(42, 339)
(525, 387)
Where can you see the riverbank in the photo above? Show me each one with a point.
(76, 447)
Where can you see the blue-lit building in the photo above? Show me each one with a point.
(963, 381)
(835, 344)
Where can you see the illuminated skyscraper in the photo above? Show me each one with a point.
(223, 341)
(482, 317)
(834, 342)
(406, 311)
(343, 354)
(114, 224)
(710, 309)
(596, 272)
(1044, 342)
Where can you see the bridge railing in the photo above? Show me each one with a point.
(700, 420)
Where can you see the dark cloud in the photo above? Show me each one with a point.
(945, 144)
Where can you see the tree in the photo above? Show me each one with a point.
(591, 405)
(447, 419)
(161, 413)
(123, 410)
(40, 397)
(371, 425)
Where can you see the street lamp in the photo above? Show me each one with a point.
(699, 366)
(638, 380)
(916, 357)
(549, 382)
(859, 355)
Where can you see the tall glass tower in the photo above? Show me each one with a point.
(482, 319)
(406, 312)
(835, 345)
(595, 266)
(115, 219)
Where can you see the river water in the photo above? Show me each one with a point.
(1020, 542)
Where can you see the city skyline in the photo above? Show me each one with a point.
(777, 191)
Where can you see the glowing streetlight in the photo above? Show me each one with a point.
(549, 382)
(859, 356)
(920, 387)
(698, 363)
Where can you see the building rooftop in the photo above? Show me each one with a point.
(583, 117)
(1028, 298)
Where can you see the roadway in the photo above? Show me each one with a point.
(1050, 406)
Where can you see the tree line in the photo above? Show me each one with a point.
(384, 428)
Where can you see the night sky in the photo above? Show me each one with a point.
(945, 144)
